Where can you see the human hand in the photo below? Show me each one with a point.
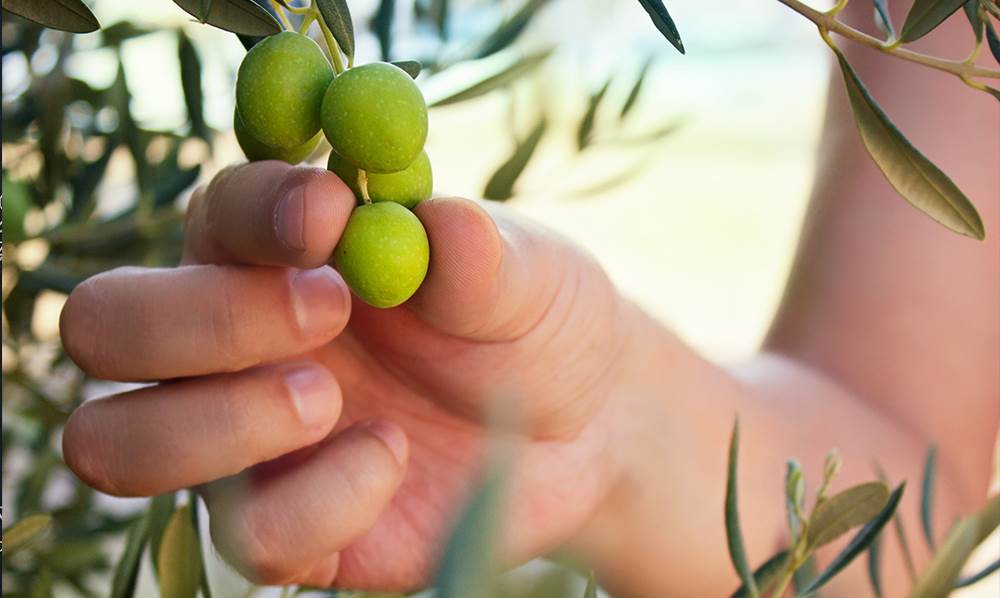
(335, 443)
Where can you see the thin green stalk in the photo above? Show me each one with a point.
(333, 46)
(282, 16)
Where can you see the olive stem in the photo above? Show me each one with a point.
(333, 46)
(363, 185)
(282, 16)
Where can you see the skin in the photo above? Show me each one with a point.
(889, 337)
(406, 187)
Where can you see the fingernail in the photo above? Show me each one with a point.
(310, 389)
(391, 436)
(290, 219)
(318, 298)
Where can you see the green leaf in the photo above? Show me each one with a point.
(585, 132)
(978, 576)
(795, 488)
(994, 42)
(24, 532)
(160, 509)
(494, 78)
(900, 532)
(734, 535)
(66, 15)
(127, 570)
(243, 17)
(206, 590)
(766, 575)
(971, 8)
(927, 496)
(875, 566)
(882, 18)
(122, 31)
(925, 15)
(861, 541)
(633, 94)
(848, 509)
(412, 67)
(42, 586)
(468, 566)
(509, 30)
(382, 26)
(915, 177)
(664, 23)
(940, 575)
(194, 100)
(179, 561)
(591, 590)
(501, 185)
(804, 575)
(337, 17)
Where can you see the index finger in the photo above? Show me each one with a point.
(267, 213)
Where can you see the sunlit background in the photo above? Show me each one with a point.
(699, 227)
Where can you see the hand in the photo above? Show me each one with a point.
(335, 443)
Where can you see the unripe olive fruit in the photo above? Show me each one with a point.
(383, 253)
(375, 117)
(280, 87)
(255, 150)
(406, 187)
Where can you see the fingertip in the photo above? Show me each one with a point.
(311, 213)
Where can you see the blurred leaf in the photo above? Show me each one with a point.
(337, 17)
(206, 590)
(382, 26)
(127, 569)
(85, 182)
(927, 496)
(633, 94)
(122, 31)
(766, 575)
(24, 532)
(591, 590)
(490, 81)
(865, 536)
(805, 574)
(68, 558)
(915, 177)
(440, 9)
(501, 185)
(42, 586)
(971, 8)
(845, 510)
(16, 203)
(194, 100)
(882, 18)
(900, 532)
(875, 566)
(734, 535)
(994, 42)
(664, 23)
(468, 566)
(655, 135)
(179, 561)
(794, 493)
(32, 487)
(585, 131)
(412, 67)
(940, 575)
(67, 15)
(979, 575)
(925, 15)
(121, 99)
(237, 16)
(158, 515)
(510, 29)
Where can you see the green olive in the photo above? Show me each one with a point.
(383, 254)
(255, 150)
(406, 187)
(375, 117)
(280, 87)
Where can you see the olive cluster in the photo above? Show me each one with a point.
(375, 118)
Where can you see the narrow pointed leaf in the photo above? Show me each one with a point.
(41, 587)
(501, 185)
(412, 67)
(925, 15)
(882, 18)
(25, 531)
(993, 41)
(915, 177)
(382, 22)
(66, 15)
(244, 17)
(493, 79)
(804, 575)
(179, 562)
(160, 509)
(978, 576)
(190, 65)
(468, 567)
(845, 510)
(940, 575)
(663, 21)
(766, 575)
(971, 8)
(206, 590)
(586, 130)
(875, 566)
(793, 480)
(509, 30)
(591, 590)
(861, 541)
(927, 496)
(127, 569)
(633, 94)
(900, 532)
(734, 535)
(337, 16)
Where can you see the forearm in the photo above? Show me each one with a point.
(662, 533)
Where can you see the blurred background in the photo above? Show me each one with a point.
(692, 200)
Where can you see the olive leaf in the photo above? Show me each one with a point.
(585, 132)
(927, 496)
(971, 8)
(915, 177)
(900, 532)
(501, 185)
(861, 541)
(509, 30)
(848, 509)
(122, 31)
(41, 587)
(127, 569)
(243, 17)
(591, 590)
(795, 489)
(939, 577)
(190, 66)
(994, 43)
(337, 16)
(24, 532)
(633, 94)
(160, 509)
(381, 25)
(734, 535)
(882, 18)
(412, 67)
(664, 23)
(66, 15)
(494, 78)
(468, 566)
(179, 562)
(925, 15)
(875, 566)
(766, 575)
